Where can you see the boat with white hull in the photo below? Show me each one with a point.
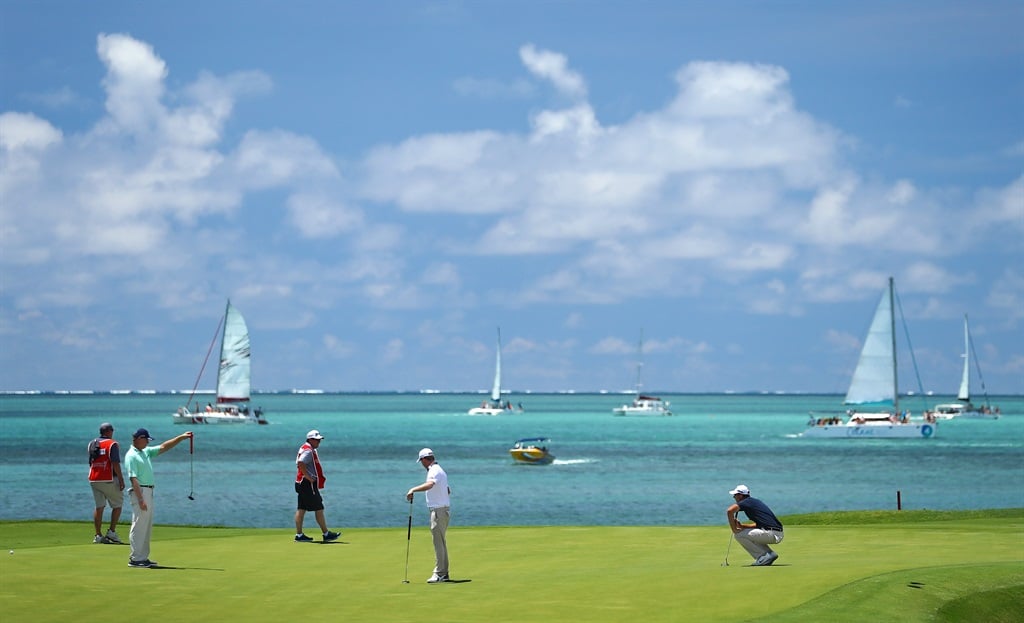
(233, 379)
(495, 406)
(875, 388)
(963, 408)
(642, 404)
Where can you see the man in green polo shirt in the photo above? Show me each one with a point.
(138, 469)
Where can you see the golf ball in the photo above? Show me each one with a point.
(12, 552)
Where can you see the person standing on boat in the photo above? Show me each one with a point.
(107, 482)
(308, 481)
(756, 537)
(138, 468)
(438, 497)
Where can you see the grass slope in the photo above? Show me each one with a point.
(851, 566)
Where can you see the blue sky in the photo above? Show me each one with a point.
(378, 186)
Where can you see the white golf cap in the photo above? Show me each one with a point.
(314, 434)
(425, 452)
(741, 489)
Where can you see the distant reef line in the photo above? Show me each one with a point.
(426, 392)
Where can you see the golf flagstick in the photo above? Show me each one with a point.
(191, 467)
(408, 539)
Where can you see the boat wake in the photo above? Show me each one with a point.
(573, 461)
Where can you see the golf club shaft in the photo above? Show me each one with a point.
(728, 548)
(408, 540)
(191, 466)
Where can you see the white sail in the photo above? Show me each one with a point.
(233, 384)
(496, 388)
(874, 380)
(965, 381)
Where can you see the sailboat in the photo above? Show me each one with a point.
(233, 378)
(643, 404)
(963, 407)
(494, 406)
(874, 390)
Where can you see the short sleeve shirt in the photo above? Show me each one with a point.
(137, 464)
(438, 494)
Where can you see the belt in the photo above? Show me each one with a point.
(773, 529)
(147, 486)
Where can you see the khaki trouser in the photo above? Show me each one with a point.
(757, 541)
(142, 524)
(438, 527)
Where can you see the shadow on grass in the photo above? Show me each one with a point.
(169, 568)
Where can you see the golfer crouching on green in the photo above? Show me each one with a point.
(755, 537)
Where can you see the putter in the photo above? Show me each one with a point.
(191, 467)
(728, 547)
(408, 539)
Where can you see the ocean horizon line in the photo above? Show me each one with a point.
(427, 392)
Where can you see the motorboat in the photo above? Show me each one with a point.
(532, 451)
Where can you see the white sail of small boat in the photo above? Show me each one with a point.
(642, 404)
(963, 408)
(233, 378)
(495, 406)
(873, 395)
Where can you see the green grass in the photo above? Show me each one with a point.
(885, 566)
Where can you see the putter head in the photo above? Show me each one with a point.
(405, 581)
(191, 498)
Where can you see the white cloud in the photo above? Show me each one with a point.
(317, 216)
(268, 159)
(729, 181)
(134, 82)
(26, 132)
(555, 68)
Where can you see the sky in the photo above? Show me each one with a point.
(378, 187)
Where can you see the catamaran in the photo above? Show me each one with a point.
(643, 404)
(495, 406)
(874, 389)
(963, 408)
(233, 378)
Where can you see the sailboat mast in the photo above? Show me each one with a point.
(223, 355)
(639, 364)
(892, 333)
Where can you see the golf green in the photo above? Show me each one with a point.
(870, 566)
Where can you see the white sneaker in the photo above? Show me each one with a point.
(99, 539)
(435, 579)
(113, 538)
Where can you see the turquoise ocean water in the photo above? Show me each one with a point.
(609, 470)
